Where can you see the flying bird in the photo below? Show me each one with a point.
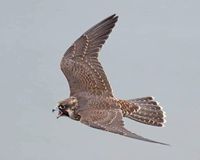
(91, 98)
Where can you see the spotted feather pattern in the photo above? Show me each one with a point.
(150, 112)
(80, 64)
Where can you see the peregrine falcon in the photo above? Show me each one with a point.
(91, 98)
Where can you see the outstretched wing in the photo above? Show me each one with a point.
(109, 120)
(80, 64)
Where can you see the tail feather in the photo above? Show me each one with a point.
(150, 112)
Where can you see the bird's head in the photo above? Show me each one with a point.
(66, 106)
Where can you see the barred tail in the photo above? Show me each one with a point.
(149, 113)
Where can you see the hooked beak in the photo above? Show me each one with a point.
(59, 112)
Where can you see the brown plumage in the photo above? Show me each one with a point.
(91, 99)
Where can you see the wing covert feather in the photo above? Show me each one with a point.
(80, 64)
(109, 120)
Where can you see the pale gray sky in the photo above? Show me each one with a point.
(153, 50)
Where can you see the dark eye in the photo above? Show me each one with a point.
(61, 107)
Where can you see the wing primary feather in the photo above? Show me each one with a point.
(135, 136)
(80, 61)
(111, 121)
(111, 19)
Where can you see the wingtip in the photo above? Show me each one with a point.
(114, 17)
(165, 144)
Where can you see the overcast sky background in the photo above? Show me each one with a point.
(154, 50)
